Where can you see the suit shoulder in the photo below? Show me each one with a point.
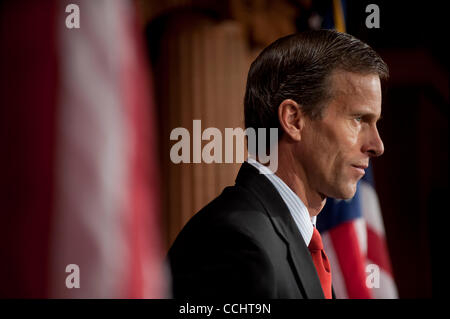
(235, 210)
(235, 207)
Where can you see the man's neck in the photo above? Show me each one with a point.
(294, 176)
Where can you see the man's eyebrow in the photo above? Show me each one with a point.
(365, 113)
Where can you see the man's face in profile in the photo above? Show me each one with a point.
(337, 147)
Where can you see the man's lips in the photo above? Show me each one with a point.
(360, 168)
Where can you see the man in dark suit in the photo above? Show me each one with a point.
(322, 90)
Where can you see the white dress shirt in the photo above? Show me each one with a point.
(305, 223)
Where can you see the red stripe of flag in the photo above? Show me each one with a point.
(351, 260)
(28, 86)
(144, 205)
(377, 251)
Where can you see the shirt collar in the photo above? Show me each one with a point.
(305, 223)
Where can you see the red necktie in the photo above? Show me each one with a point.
(320, 260)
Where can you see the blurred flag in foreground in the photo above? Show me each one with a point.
(353, 237)
(80, 185)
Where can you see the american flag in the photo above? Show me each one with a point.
(80, 176)
(354, 241)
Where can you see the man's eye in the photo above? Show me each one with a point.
(358, 118)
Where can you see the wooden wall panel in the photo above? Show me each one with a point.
(201, 74)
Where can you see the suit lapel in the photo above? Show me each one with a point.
(285, 226)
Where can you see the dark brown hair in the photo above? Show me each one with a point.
(298, 67)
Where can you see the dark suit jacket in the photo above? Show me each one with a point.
(244, 243)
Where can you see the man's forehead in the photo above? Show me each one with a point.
(356, 93)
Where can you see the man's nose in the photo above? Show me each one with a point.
(374, 145)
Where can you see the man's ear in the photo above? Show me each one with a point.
(291, 119)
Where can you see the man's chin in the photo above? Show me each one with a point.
(346, 193)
